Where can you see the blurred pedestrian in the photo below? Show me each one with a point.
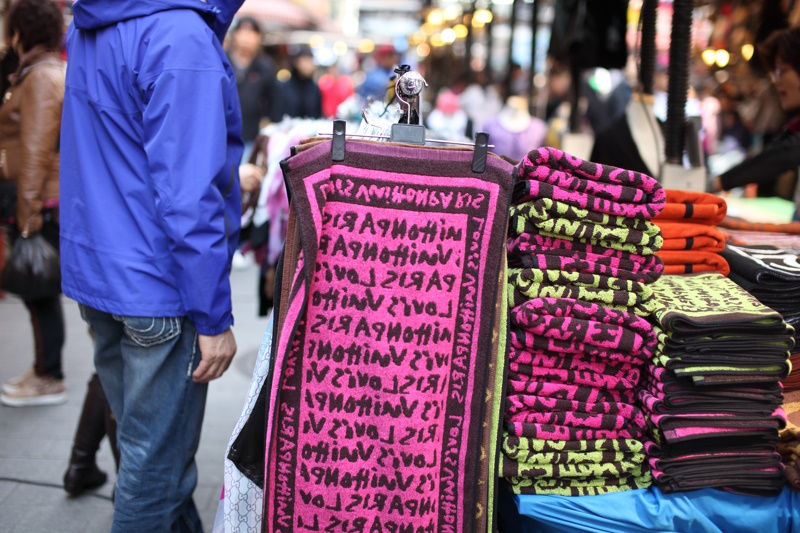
(299, 96)
(447, 119)
(255, 78)
(150, 205)
(377, 81)
(30, 121)
(480, 100)
(96, 422)
(335, 88)
(781, 55)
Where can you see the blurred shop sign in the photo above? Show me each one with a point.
(278, 13)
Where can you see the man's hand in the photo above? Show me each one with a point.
(250, 177)
(216, 354)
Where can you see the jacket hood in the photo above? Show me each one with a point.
(97, 14)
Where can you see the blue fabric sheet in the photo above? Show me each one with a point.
(702, 511)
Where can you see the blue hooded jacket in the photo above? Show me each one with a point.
(150, 146)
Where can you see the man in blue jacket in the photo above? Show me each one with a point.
(150, 209)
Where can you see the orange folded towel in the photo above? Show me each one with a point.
(790, 228)
(699, 207)
(691, 261)
(688, 236)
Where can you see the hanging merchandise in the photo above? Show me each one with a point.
(376, 397)
(271, 211)
(712, 393)
(389, 340)
(242, 503)
(514, 130)
(582, 255)
(590, 33)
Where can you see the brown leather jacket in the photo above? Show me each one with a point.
(30, 127)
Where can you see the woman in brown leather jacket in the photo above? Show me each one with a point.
(30, 127)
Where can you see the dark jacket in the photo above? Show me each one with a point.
(30, 123)
(781, 155)
(256, 85)
(297, 97)
(150, 144)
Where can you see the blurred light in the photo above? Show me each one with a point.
(722, 76)
(709, 56)
(540, 80)
(350, 26)
(400, 44)
(423, 50)
(417, 37)
(316, 41)
(461, 31)
(477, 64)
(324, 56)
(428, 29)
(366, 46)
(601, 81)
(482, 16)
(503, 2)
(451, 13)
(747, 51)
(340, 48)
(283, 75)
(478, 50)
(723, 57)
(449, 35)
(436, 40)
(435, 17)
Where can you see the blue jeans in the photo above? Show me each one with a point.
(145, 366)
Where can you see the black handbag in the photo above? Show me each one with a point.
(32, 270)
(8, 202)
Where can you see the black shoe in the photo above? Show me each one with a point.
(82, 474)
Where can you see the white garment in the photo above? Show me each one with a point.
(450, 127)
(479, 104)
(242, 503)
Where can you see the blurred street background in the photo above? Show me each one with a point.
(35, 442)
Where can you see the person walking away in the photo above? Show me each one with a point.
(96, 422)
(150, 214)
(299, 96)
(255, 78)
(376, 84)
(335, 89)
(30, 121)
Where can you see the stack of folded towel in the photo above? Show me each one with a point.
(772, 275)
(789, 448)
(712, 393)
(582, 257)
(692, 243)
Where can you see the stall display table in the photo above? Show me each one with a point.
(649, 510)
